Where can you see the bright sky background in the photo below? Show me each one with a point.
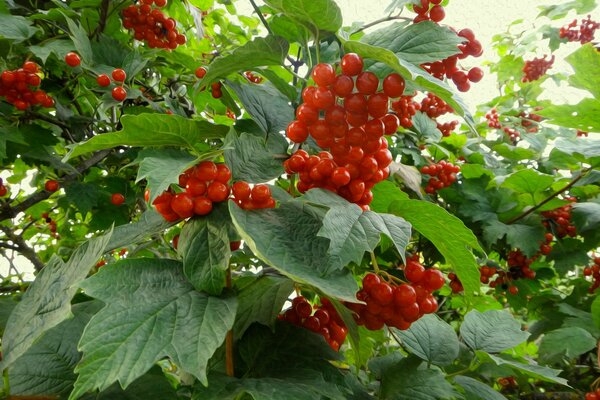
(485, 17)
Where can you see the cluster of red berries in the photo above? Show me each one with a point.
(3, 188)
(352, 130)
(150, 24)
(536, 68)
(530, 121)
(434, 107)
(593, 271)
(447, 127)
(51, 224)
(584, 34)
(508, 382)
(441, 175)
(118, 75)
(203, 184)
(324, 320)
(493, 119)
(253, 78)
(448, 67)
(215, 87)
(559, 220)
(397, 306)
(424, 13)
(252, 198)
(594, 395)
(405, 107)
(20, 87)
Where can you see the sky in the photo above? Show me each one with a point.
(485, 17)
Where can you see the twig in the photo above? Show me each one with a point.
(6, 211)
(381, 20)
(262, 19)
(103, 16)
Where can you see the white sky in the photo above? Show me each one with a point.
(485, 17)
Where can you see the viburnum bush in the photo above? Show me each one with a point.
(278, 205)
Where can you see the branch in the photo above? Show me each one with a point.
(381, 20)
(103, 16)
(547, 199)
(7, 212)
(23, 248)
(262, 19)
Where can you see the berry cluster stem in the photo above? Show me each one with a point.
(374, 262)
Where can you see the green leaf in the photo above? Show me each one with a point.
(568, 342)
(151, 312)
(46, 303)
(560, 10)
(384, 194)
(149, 223)
(431, 339)
(162, 167)
(287, 28)
(513, 152)
(316, 15)
(152, 385)
(81, 41)
(7, 304)
(403, 381)
(492, 331)
(47, 367)
(416, 43)
(528, 181)
(433, 222)
(204, 246)
(587, 147)
(352, 232)
(153, 130)
(286, 239)
(16, 28)
(58, 47)
(258, 52)
(250, 159)
(596, 311)
(586, 216)
(260, 301)
(586, 63)
(426, 127)
(422, 80)
(532, 369)
(266, 105)
(84, 196)
(525, 237)
(582, 116)
(477, 390)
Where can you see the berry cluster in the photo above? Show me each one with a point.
(353, 130)
(51, 224)
(584, 34)
(424, 13)
(324, 320)
(530, 121)
(595, 395)
(442, 174)
(559, 220)
(448, 67)
(20, 87)
(150, 24)
(118, 75)
(397, 306)
(434, 107)
(493, 119)
(215, 87)
(3, 188)
(203, 184)
(405, 108)
(447, 127)
(253, 78)
(252, 198)
(593, 271)
(536, 68)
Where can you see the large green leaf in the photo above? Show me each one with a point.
(435, 223)
(587, 147)
(162, 167)
(404, 381)
(287, 28)
(148, 224)
(153, 130)
(582, 116)
(47, 367)
(81, 41)
(566, 342)
(60, 48)
(204, 245)
(152, 385)
(525, 237)
(416, 43)
(431, 339)
(422, 80)
(477, 390)
(492, 331)
(531, 369)
(561, 9)
(7, 304)
(316, 15)
(250, 159)
(586, 216)
(258, 52)
(286, 239)
(16, 28)
(528, 181)
(596, 311)
(260, 301)
(586, 63)
(267, 106)
(47, 301)
(352, 232)
(151, 312)
(384, 194)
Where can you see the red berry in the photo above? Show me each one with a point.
(367, 82)
(393, 85)
(261, 193)
(233, 246)
(404, 295)
(202, 205)
(117, 199)
(369, 281)
(414, 271)
(241, 190)
(72, 59)
(51, 185)
(119, 94)
(475, 74)
(223, 173)
(206, 171)
(437, 13)
(183, 205)
(217, 191)
(323, 74)
(103, 80)
(352, 64)
(297, 131)
(200, 72)
(513, 290)
(432, 279)
(382, 293)
(119, 75)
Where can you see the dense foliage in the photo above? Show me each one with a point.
(277, 205)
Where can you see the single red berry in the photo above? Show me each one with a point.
(475, 74)
(200, 72)
(217, 192)
(223, 173)
(241, 190)
(103, 80)
(119, 75)
(119, 94)
(369, 281)
(323, 74)
(367, 82)
(72, 59)
(432, 279)
(393, 85)
(183, 205)
(233, 246)
(51, 185)
(117, 199)
(261, 193)
(414, 271)
(31, 67)
(312, 323)
(352, 64)
(513, 290)
(382, 293)
(437, 13)
(202, 205)
(404, 295)
(206, 171)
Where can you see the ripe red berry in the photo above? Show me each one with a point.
(475, 74)
(183, 205)
(297, 131)
(206, 171)
(31, 67)
(367, 82)
(393, 85)
(241, 190)
(202, 205)
(51, 185)
(352, 64)
(414, 271)
(432, 279)
(223, 173)
(233, 246)
(323, 74)
(437, 13)
(382, 293)
(217, 191)
(261, 193)
(103, 80)
(119, 94)
(119, 75)
(72, 59)
(200, 72)
(369, 281)
(117, 199)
